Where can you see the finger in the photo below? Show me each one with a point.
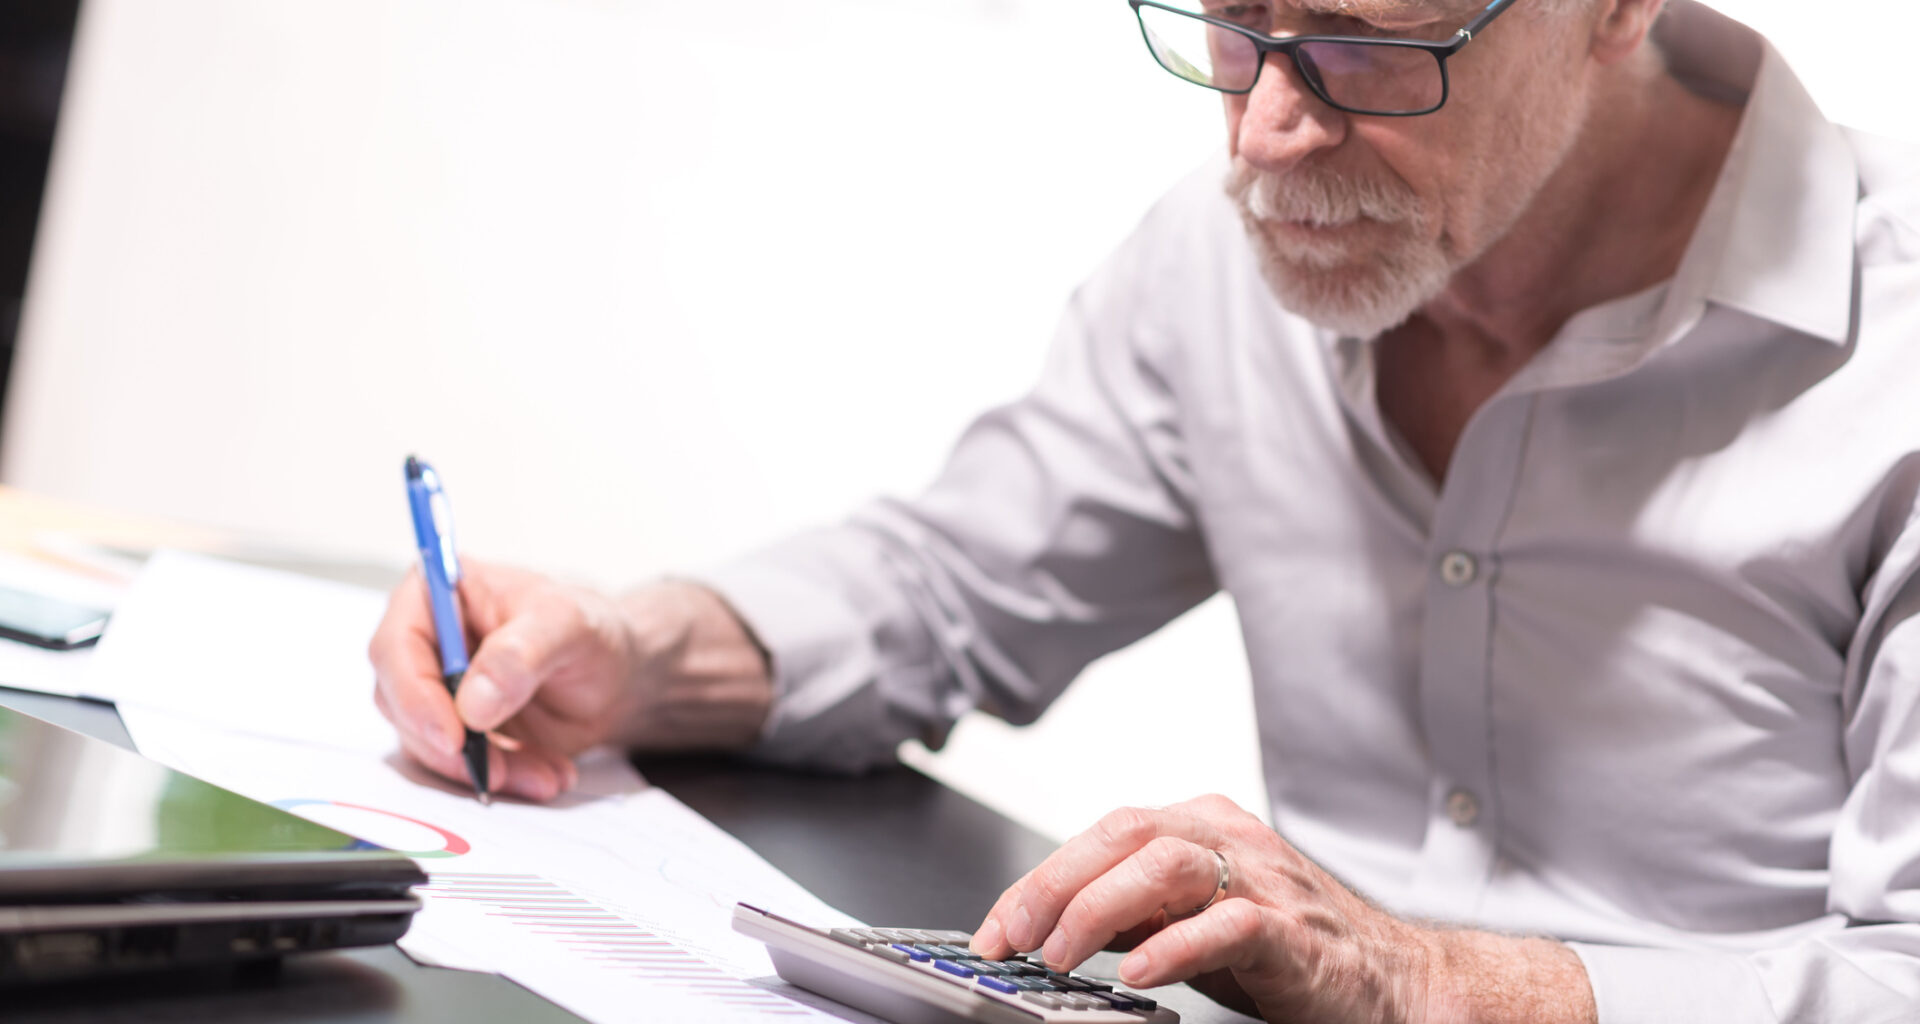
(989, 940)
(406, 671)
(450, 765)
(1168, 875)
(544, 771)
(1234, 934)
(1086, 857)
(515, 657)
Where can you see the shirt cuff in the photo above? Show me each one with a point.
(1633, 985)
(826, 710)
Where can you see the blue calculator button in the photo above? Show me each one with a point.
(915, 954)
(999, 985)
(957, 970)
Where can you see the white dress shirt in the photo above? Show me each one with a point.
(1644, 674)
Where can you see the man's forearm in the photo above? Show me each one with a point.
(704, 682)
(1483, 978)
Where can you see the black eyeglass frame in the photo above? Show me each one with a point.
(1265, 44)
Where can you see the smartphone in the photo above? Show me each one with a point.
(49, 622)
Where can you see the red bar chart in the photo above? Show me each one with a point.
(586, 933)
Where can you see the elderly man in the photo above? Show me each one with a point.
(1541, 390)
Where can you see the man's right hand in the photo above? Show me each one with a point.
(558, 669)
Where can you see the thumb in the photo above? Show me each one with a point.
(513, 660)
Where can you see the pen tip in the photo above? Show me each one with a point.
(486, 798)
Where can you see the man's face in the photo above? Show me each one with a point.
(1359, 221)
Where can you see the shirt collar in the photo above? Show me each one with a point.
(1777, 238)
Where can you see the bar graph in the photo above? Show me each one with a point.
(582, 932)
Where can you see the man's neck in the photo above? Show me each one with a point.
(1610, 223)
(1615, 220)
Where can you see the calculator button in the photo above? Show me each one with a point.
(954, 938)
(1118, 1002)
(1046, 999)
(999, 985)
(850, 936)
(986, 968)
(1140, 1002)
(958, 953)
(912, 953)
(957, 970)
(893, 953)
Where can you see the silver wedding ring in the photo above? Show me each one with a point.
(1219, 885)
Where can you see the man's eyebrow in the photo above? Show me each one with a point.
(1392, 10)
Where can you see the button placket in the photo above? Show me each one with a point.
(1455, 685)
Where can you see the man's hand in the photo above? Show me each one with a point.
(558, 669)
(1286, 941)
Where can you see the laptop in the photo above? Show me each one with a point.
(111, 864)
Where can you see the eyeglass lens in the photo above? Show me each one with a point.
(1359, 76)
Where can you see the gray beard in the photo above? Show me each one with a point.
(1357, 293)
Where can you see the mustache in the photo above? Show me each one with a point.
(1318, 197)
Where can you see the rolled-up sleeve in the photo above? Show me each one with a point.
(1867, 969)
(1061, 529)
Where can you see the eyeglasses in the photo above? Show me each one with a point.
(1381, 77)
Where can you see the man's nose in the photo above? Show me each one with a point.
(1284, 121)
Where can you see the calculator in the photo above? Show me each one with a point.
(929, 976)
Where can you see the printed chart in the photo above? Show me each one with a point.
(616, 963)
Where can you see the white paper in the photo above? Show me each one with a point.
(614, 901)
(248, 649)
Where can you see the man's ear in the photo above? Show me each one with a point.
(1620, 27)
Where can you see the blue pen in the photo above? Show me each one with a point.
(433, 530)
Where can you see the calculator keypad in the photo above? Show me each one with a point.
(945, 954)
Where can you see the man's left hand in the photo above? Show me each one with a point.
(1296, 943)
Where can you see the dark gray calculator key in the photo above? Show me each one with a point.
(957, 953)
(957, 970)
(1140, 1002)
(985, 968)
(1118, 1002)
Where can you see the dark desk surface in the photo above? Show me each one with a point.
(892, 848)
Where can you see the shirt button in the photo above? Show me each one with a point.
(1457, 568)
(1463, 808)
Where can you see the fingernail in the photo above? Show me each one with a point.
(1054, 953)
(1020, 930)
(1134, 969)
(450, 741)
(480, 701)
(988, 937)
(570, 776)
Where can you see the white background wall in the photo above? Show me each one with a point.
(651, 282)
